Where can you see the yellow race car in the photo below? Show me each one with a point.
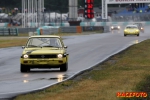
(131, 30)
(44, 51)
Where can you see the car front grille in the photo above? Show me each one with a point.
(115, 28)
(43, 56)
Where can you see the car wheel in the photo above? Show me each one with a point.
(23, 68)
(137, 34)
(125, 35)
(64, 67)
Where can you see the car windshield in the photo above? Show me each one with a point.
(114, 25)
(131, 27)
(44, 42)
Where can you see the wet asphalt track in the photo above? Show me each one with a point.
(85, 51)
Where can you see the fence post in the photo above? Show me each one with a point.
(16, 31)
(3, 31)
(9, 31)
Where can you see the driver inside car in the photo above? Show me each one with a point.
(53, 42)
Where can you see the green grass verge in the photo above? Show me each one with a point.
(21, 39)
(128, 71)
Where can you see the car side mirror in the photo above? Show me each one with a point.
(65, 47)
(23, 47)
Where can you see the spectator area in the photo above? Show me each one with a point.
(130, 10)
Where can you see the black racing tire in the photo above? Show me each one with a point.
(137, 34)
(64, 67)
(125, 35)
(24, 68)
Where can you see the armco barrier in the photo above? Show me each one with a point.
(8, 31)
(111, 23)
(107, 25)
(26, 30)
(106, 29)
(92, 28)
(71, 29)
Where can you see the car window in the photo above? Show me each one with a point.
(131, 27)
(44, 42)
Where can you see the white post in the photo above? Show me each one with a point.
(73, 9)
(104, 9)
(30, 11)
(22, 13)
(28, 18)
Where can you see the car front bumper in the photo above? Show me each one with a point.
(49, 62)
(131, 33)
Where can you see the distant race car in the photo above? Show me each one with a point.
(131, 30)
(44, 51)
(140, 26)
(115, 27)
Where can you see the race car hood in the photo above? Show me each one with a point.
(130, 29)
(43, 51)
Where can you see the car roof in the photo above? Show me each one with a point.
(53, 36)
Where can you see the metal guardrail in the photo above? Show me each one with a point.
(70, 29)
(50, 31)
(8, 32)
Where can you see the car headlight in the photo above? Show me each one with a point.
(59, 55)
(141, 28)
(112, 27)
(25, 56)
(118, 26)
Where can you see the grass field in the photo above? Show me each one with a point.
(11, 42)
(20, 40)
(128, 71)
